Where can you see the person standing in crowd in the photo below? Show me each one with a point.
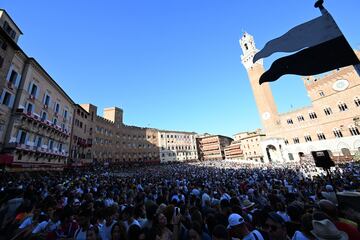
(84, 225)
(238, 229)
(180, 201)
(275, 227)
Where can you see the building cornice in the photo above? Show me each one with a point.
(12, 21)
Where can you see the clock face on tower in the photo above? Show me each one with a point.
(266, 115)
(340, 85)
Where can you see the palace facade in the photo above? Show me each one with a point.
(331, 122)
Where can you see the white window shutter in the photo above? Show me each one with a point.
(11, 103)
(29, 87)
(37, 92)
(9, 73)
(18, 136)
(27, 138)
(18, 79)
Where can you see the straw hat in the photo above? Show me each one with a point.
(326, 230)
(247, 204)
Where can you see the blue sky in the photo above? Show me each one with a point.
(169, 64)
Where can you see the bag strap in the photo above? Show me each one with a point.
(255, 235)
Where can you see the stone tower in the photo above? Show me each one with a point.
(263, 96)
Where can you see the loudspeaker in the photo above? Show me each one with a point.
(349, 199)
(323, 159)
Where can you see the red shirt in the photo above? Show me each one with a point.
(351, 231)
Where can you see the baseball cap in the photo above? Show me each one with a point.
(234, 220)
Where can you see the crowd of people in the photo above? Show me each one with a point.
(198, 201)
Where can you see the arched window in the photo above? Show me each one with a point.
(345, 152)
(312, 115)
(321, 136)
(307, 138)
(354, 131)
(337, 132)
(327, 111)
(300, 118)
(357, 101)
(43, 116)
(342, 106)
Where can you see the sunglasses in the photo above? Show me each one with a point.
(272, 228)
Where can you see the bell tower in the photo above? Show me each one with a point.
(263, 96)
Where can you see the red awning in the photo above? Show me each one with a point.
(6, 159)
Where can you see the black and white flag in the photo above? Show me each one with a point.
(322, 48)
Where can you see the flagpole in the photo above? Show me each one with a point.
(319, 4)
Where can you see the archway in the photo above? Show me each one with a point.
(346, 152)
(342, 145)
(301, 155)
(271, 153)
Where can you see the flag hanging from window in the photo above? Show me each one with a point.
(321, 47)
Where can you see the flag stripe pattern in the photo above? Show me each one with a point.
(311, 33)
(333, 54)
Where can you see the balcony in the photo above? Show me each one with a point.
(31, 117)
(29, 148)
(42, 151)
(83, 143)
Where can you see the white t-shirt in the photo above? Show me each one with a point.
(205, 197)
(105, 231)
(254, 235)
(49, 226)
(134, 222)
(108, 202)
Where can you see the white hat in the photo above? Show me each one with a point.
(329, 188)
(325, 230)
(77, 202)
(250, 191)
(234, 220)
